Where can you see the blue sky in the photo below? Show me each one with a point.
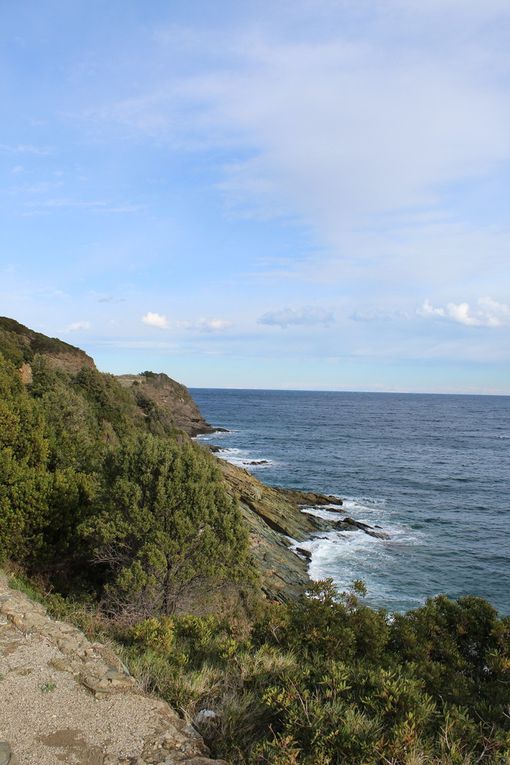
(306, 194)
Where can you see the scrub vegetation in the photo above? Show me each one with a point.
(124, 526)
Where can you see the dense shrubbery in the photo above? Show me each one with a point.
(83, 481)
(165, 527)
(329, 681)
(130, 526)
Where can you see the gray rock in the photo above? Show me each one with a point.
(205, 716)
(305, 553)
(6, 755)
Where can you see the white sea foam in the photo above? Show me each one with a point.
(347, 555)
(321, 511)
(214, 436)
(244, 459)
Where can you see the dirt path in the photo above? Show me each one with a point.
(66, 700)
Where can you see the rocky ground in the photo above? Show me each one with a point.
(66, 700)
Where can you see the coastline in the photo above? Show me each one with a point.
(286, 525)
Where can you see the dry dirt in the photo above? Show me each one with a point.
(66, 700)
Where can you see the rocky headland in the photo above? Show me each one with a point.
(172, 399)
(277, 520)
(274, 516)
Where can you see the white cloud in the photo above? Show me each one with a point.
(78, 326)
(155, 320)
(307, 316)
(336, 128)
(376, 314)
(213, 325)
(349, 134)
(486, 313)
(199, 325)
(205, 325)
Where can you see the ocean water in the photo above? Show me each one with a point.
(431, 470)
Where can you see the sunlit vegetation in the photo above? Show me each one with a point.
(126, 527)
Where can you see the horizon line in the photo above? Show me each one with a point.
(337, 390)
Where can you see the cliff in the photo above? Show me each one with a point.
(275, 519)
(173, 400)
(92, 407)
(154, 394)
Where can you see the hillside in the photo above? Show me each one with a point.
(190, 567)
(19, 344)
(87, 413)
(172, 400)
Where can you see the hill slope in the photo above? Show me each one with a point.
(85, 417)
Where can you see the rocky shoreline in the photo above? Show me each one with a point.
(275, 517)
(279, 520)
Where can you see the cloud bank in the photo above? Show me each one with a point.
(78, 326)
(487, 313)
(161, 321)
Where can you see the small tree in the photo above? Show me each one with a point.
(165, 526)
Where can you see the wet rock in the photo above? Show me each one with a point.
(305, 553)
(377, 534)
(366, 528)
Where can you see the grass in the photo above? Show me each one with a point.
(47, 687)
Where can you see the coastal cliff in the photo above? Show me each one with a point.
(171, 398)
(153, 402)
(275, 521)
(20, 345)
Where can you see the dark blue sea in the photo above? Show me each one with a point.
(432, 470)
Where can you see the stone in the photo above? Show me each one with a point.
(205, 717)
(6, 755)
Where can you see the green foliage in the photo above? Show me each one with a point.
(48, 687)
(19, 343)
(166, 526)
(13, 350)
(83, 480)
(110, 403)
(91, 473)
(294, 695)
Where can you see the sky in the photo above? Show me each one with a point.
(300, 194)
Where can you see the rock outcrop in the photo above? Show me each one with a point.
(275, 521)
(173, 400)
(65, 699)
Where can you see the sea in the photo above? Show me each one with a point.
(432, 470)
